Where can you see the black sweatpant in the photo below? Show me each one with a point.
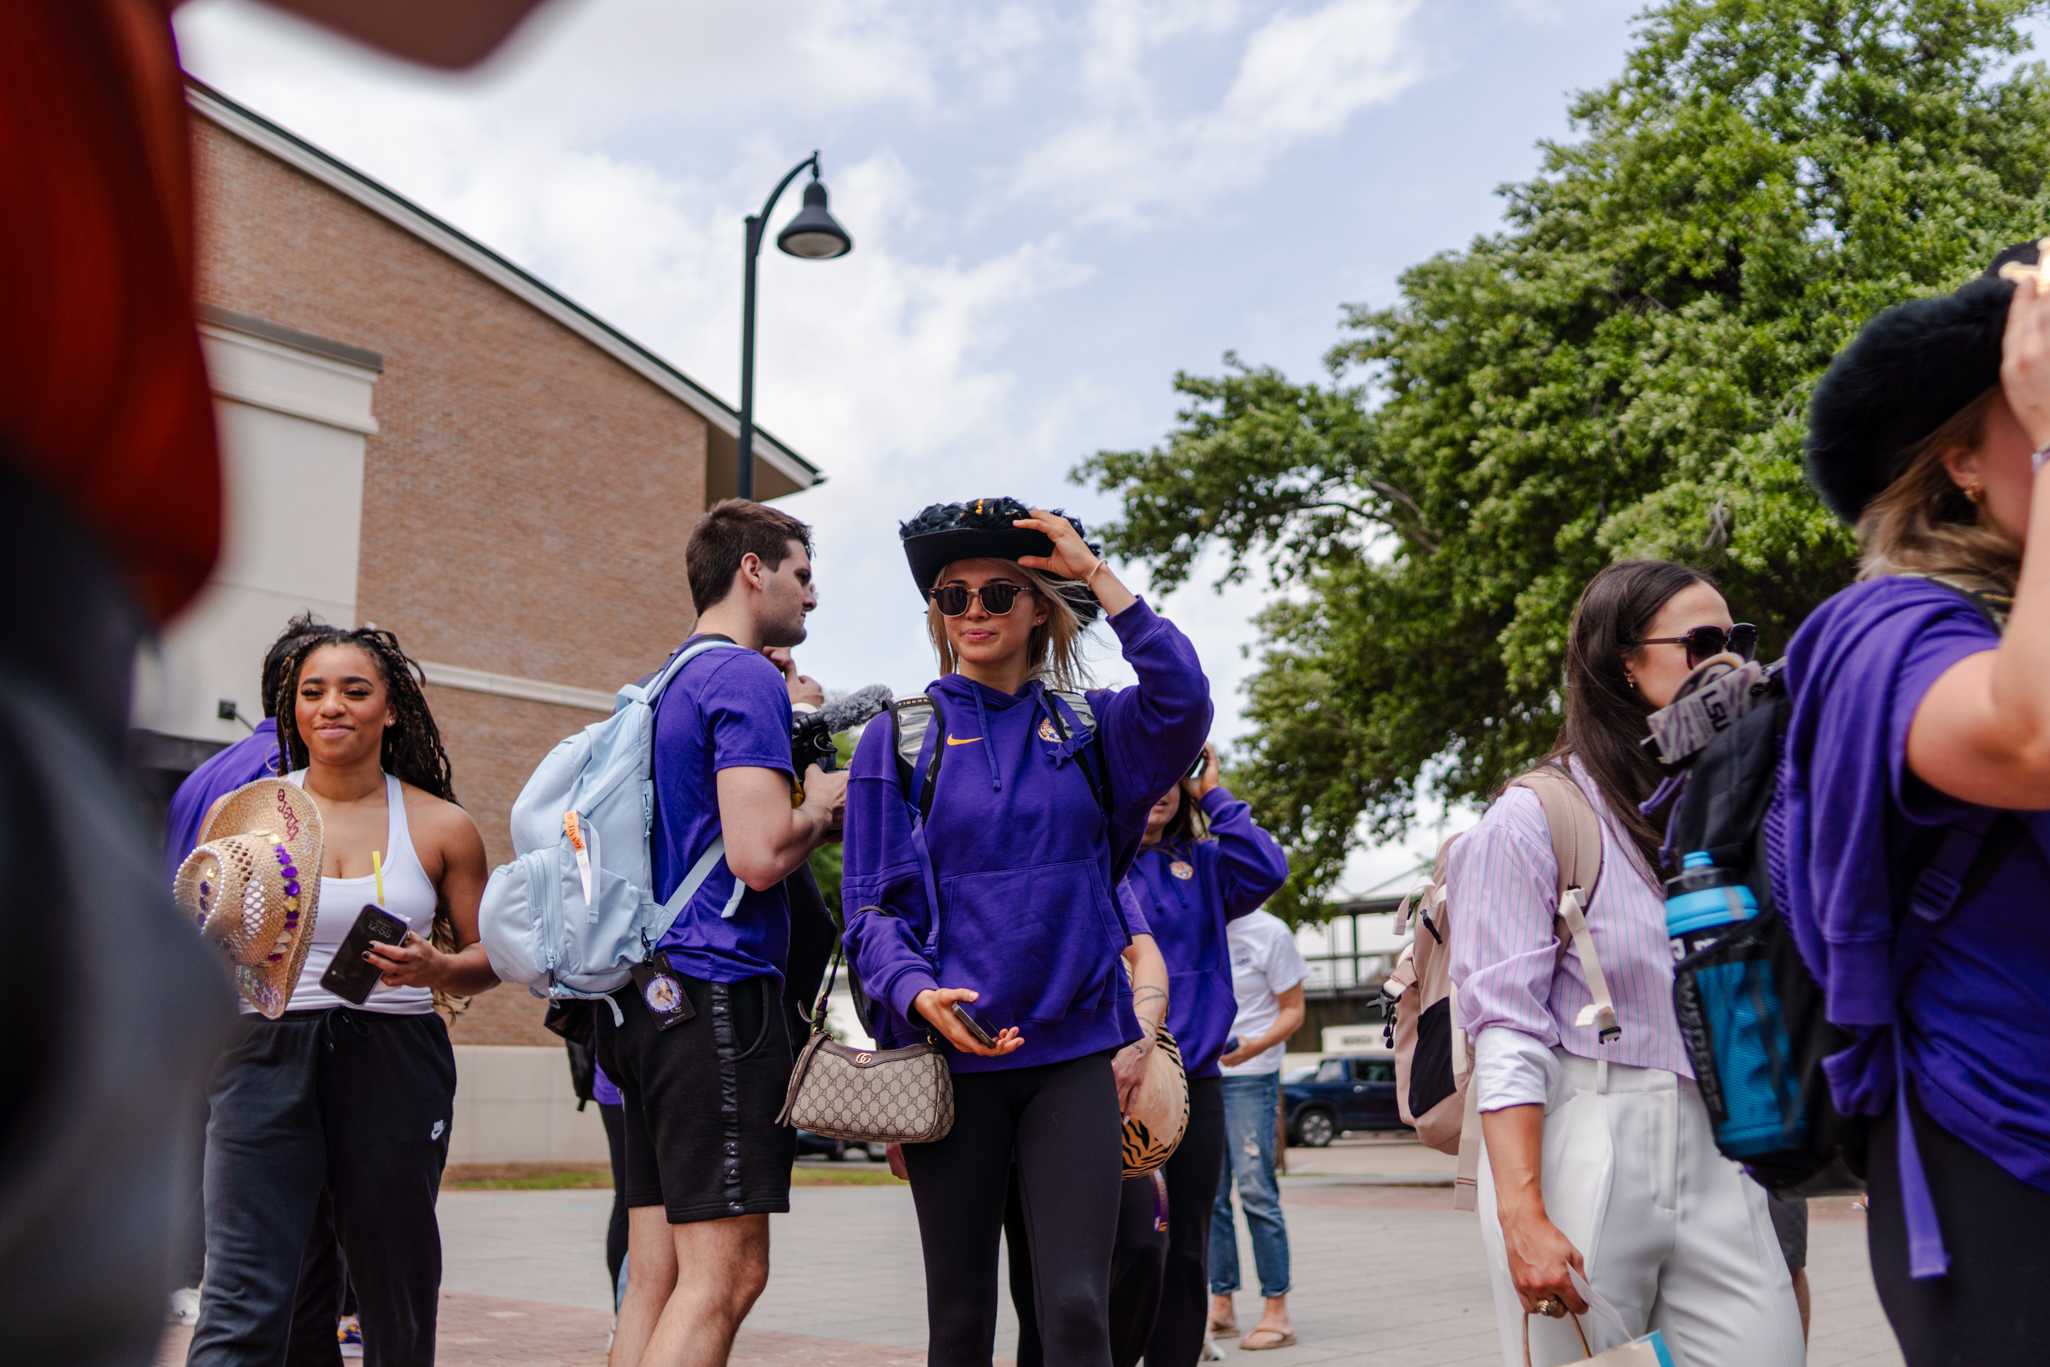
(615, 1226)
(1135, 1269)
(1991, 1308)
(351, 1101)
(1059, 1125)
(323, 1295)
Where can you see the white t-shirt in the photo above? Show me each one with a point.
(1264, 964)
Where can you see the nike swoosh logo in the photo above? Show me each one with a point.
(956, 740)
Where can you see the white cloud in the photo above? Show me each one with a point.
(1304, 75)
(1299, 77)
(1119, 35)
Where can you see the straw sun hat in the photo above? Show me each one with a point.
(253, 887)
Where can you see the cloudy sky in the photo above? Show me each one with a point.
(1054, 208)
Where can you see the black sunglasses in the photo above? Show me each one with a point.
(1740, 640)
(997, 598)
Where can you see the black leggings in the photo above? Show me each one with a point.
(1992, 1307)
(1135, 1272)
(615, 1228)
(1192, 1177)
(1160, 1286)
(1059, 1125)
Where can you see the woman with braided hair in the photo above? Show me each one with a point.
(351, 1100)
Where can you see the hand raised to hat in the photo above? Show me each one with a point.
(1072, 559)
(2025, 351)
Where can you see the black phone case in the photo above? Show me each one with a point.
(351, 977)
(982, 1033)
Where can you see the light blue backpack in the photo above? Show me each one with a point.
(575, 910)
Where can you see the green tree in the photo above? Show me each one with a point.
(1622, 369)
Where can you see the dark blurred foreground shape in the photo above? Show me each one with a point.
(110, 519)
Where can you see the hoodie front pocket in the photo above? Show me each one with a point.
(1034, 942)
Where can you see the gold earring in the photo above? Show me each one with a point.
(1976, 492)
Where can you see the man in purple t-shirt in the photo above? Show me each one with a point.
(702, 1054)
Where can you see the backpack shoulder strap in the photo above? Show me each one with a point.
(651, 691)
(1576, 831)
(1078, 703)
(1088, 755)
(911, 719)
(1982, 594)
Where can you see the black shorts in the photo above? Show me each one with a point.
(1790, 1223)
(701, 1100)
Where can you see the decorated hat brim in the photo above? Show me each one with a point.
(281, 808)
(929, 554)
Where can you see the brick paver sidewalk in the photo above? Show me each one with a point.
(1383, 1274)
(485, 1331)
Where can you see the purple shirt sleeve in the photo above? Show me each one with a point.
(1250, 864)
(1153, 730)
(882, 888)
(1502, 881)
(1858, 670)
(1131, 912)
(603, 1090)
(746, 706)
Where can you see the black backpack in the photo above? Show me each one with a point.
(1781, 1031)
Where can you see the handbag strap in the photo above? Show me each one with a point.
(1585, 1347)
(817, 1018)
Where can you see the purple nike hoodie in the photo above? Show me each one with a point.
(1023, 862)
(1188, 891)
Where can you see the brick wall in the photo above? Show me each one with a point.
(525, 501)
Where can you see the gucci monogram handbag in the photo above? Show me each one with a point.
(875, 1096)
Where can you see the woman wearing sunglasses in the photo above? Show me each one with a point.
(1913, 830)
(1599, 1156)
(1000, 903)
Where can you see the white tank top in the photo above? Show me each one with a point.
(408, 895)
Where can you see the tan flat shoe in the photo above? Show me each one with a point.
(1223, 1331)
(1276, 1338)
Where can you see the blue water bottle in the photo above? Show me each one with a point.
(1701, 899)
(1725, 982)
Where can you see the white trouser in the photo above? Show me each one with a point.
(1674, 1235)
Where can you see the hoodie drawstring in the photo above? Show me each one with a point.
(989, 747)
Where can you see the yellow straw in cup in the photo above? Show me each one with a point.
(377, 872)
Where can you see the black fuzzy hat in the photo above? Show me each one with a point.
(1911, 369)
(981, 530)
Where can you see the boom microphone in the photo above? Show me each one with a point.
(811, 733)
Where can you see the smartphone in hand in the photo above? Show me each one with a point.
(352, 977)
(974, 1027)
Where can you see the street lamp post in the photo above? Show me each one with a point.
(813, 235)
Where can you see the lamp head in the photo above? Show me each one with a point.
(812, 232)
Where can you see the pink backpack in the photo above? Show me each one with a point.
(1433, 1059)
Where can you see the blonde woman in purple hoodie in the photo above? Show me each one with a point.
(984, 879)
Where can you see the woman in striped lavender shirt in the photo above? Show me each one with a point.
(1599, 1156)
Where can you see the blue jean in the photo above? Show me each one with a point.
(1250, 1104)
